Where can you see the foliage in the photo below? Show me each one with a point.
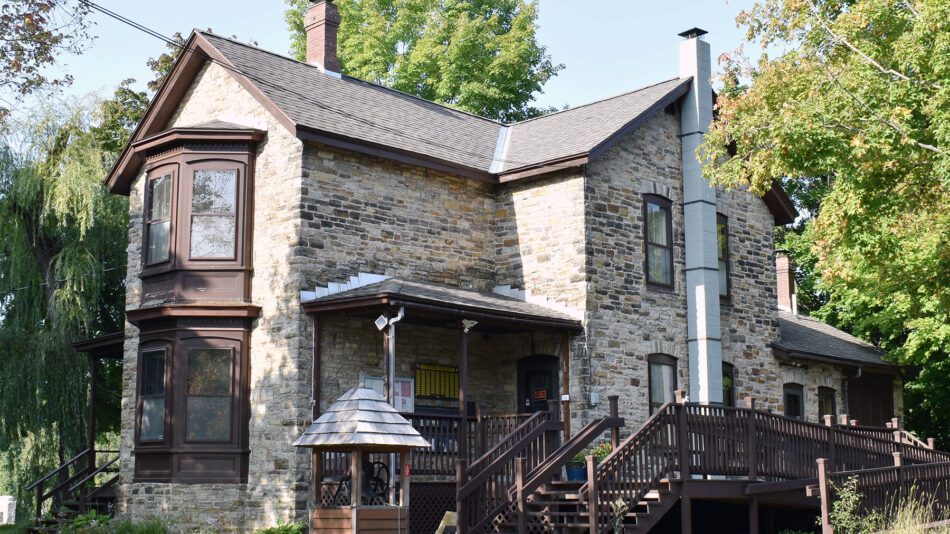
(619, 509)
(283, 528)
(32, 34)
(162, 65)
(599, 452)
(62, 265)
(93, 523)
(479, 56)
(907, 515)
(859, 109)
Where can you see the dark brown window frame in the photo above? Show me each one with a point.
(722, 220)
(240, 191)
(729, 370)
(824, 391)
(795, 388)
(659, 359)
(169, 169)
(154, 344)
(666, 204)
(162, 461)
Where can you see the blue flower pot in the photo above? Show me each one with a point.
(577, 473)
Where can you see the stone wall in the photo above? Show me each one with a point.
(749, 315)
(626, 321)
(277, 488)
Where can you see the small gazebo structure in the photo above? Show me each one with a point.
(361, 422)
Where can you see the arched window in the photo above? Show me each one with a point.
(658, 238)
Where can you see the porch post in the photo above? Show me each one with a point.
(316, 458)
(753, 515)
(463, 389)
(93, 398)
(825, 496)
(566, 385)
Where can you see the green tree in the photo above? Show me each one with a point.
(32, 34)
(862, 98)
(480, 56)
(62, 265)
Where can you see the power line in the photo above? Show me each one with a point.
(308, 98)
(97, 272)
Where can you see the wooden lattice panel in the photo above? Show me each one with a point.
(428, 503)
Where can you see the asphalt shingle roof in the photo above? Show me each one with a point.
(581, 129)
(447, 296)
(811, 336)
(371, 113)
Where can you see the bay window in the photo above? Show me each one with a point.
(208, 408)
(658, 237)
(152, 419)
(213, 213)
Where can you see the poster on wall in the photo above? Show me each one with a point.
(405, 391)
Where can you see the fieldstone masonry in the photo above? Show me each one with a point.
(324, 214)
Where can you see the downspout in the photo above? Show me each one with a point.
(391, 394)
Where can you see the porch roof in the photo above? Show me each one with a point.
(443, 300)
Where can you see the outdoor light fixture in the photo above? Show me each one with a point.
(468, 324)
(381, 322)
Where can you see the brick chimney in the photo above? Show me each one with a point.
(321, 23)
(785, 276)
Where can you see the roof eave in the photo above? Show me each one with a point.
(780, 204)
(388, 298)
(782, 352)
(305, 133)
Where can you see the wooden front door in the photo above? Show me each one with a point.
(537, 383)
(871, 399)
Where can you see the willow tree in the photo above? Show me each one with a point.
(860, 100)
(62, 266)
(476, 55)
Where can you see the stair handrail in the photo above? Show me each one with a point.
(507, 442)
(93, 474)
(564, 454)
(56, 471)
(608, 472)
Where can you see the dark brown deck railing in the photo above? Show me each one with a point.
(72, 479)
(884, 489)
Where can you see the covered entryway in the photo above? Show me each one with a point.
(871, 398)
(457, 363)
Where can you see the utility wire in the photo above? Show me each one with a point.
(308, 98)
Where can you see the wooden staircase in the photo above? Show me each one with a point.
(82, 484)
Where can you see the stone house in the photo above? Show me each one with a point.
(286, 221)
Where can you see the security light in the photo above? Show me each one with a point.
(381, 322)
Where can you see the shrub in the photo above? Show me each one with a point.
(283, 528)
(94, 523)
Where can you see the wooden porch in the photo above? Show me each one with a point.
(684, 455)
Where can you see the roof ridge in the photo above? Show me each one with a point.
(352, 78)
(587, 104)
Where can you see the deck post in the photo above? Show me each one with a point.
(843, 419)
(356, 478)
(823, 493)
(682, 442)
(830, 423)
(753, 515)
(463, 389)
(931, 443)
(752, 446)
(460, 515)
(566, 385)
(899, 464)
(614, 430)
(550, 441)
(592, 510)
(521, 467)
(482, 435)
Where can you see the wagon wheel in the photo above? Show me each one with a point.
(379, 480)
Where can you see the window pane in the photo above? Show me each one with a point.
(212, 236)
(214, 191)
(158, 234)
(662, 384)
(723, 242)
(153, 381)
(209, 419)
(153, 419)
(656, 224)
(209, 372)
(160, 198)
(659, 265)
(794, 403)
(723, 278)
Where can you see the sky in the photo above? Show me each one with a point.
(607, 46)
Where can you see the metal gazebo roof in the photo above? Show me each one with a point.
(361, 420)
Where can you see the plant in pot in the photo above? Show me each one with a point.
(577, 467)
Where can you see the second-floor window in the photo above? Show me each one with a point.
(658, 230)
(158, 219)
(728, 385)
(722, 235)
(213, 213)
